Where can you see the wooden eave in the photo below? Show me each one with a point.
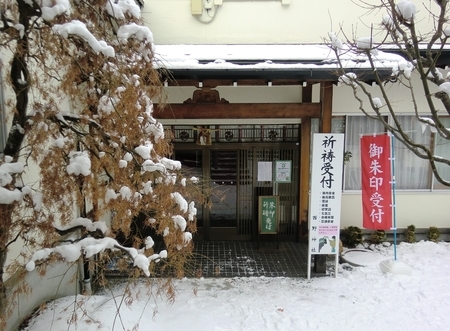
(254, 77)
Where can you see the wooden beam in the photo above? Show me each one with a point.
(237, 110)
(326, 99)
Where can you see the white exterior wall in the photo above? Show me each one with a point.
(260, 21)
(344, 102)
(246, 94)
(242, 94)
(31, 174)
(422, 209)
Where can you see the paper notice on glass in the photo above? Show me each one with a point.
(264, 171)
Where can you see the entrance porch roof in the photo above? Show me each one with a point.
(300, 63)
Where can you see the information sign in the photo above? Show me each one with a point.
(283, 171)
(268, 214)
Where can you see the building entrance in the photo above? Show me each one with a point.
(230, 177)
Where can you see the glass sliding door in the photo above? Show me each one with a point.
(230, 180)
(223, 184)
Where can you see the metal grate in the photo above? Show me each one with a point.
(288, 193)
(245, 200)
(244, 259)
(233, 259)
(239, 133)
(250, 189)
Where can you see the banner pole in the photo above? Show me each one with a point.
(393, 195)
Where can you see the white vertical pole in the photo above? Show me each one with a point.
(337, 261)
(393, 195)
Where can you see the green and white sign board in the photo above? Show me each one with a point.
(283, 171)
(268, 208)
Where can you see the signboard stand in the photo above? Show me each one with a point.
(325, 196)
(268, 216)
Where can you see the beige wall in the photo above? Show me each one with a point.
(422, 209)
(344, 102)
(31, 175)
(261, 21)
(242, 94)
(239, 94)
(245, 94)
(248, 22)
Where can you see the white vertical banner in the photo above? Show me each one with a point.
(325, 195)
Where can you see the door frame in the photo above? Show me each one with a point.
(206, 232)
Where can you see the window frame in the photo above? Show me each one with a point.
(435, 185)
(346, 144)
(431, 186)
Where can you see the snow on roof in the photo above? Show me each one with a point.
(275, 57)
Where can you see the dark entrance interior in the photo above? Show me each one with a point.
(234, 186)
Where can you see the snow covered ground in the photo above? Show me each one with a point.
(359, 298)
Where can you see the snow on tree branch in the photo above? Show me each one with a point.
(406, 9)
(77, 28)
(51, 9)
(182, 203)
(141, 33)
(118, 9)
(80, 164)
(348, 79)
(90, 247)
(86, 223)
(7, 195)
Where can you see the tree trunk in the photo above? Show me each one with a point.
(5, 225)
(20, 81)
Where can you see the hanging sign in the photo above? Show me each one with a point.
(204, 135)
(376, 182)
(325, 197)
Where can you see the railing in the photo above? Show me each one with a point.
(237, 133)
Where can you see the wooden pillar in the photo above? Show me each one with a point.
(326, 100)
(305, 156)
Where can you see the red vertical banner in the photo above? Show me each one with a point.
(376, 182)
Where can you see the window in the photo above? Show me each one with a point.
(411, 172)
(442, 148)
(355, 127)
